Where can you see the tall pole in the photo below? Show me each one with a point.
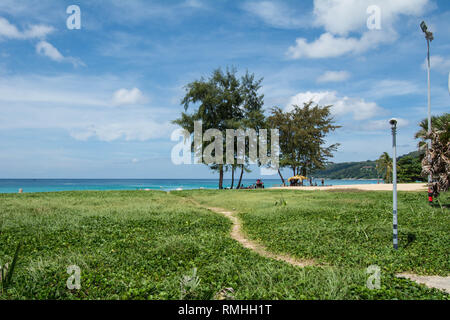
(430, 177)
(429, 36)
(393, 123)
(429, 88)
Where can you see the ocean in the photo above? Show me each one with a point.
(53, 185)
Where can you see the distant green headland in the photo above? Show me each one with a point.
(409, 169)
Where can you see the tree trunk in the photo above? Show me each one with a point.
(232, 177)
(282, 179)
(304, 171)
(240, 178)
(221, 177)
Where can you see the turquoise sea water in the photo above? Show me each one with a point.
(52, 185)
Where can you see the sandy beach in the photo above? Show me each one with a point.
(364, 187)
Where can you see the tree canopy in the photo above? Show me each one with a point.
(440, 123)
(409, 169)
(436, 161)
(224, 102)
(385, 167)
(302, 136)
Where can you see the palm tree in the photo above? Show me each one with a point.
(437, 163)
(440, 123)
(384, 167)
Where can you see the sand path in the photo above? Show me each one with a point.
(442, 283)
(238, 235)
(364, 187)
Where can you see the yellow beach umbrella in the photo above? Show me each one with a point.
(298, 178)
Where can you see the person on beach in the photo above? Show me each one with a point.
(323, 182)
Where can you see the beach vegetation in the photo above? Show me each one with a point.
(302, 137)
(410, 168)
(224, 101)
(436, 160)
(440, 123)
(141, 244)
(385, 167)
(347, 229)
(437, 163)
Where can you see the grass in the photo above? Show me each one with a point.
(154, 245)
(345, 229)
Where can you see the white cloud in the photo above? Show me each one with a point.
(45, 48)
(375, 125)
(128, 97)
(43, 11)
(127, 129)
(275, 14)
(334, 76)
(329, 46)
(197, 4)
(340, 18)
(10, 31)
(138, 11)
(389, 88)
(56, 90)
(267, 171)
(79, 105)
(359, 108)
(438, 63)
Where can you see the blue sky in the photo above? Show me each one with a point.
(97, 102)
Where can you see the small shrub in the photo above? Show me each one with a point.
(188, 285)
(281, 202)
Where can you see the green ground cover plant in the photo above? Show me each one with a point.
(141, 245)
(348, 229)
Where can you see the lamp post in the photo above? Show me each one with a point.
(393, 123)
(429, 37)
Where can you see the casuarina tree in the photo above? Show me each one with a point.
(223, 101)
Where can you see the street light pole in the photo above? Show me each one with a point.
(393, 123)
(429, 37)
(429, 86)
(430, 177)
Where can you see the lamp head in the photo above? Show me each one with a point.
(428, 34)
(424, 27)
(393, 122)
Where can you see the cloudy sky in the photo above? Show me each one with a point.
(97, 102)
